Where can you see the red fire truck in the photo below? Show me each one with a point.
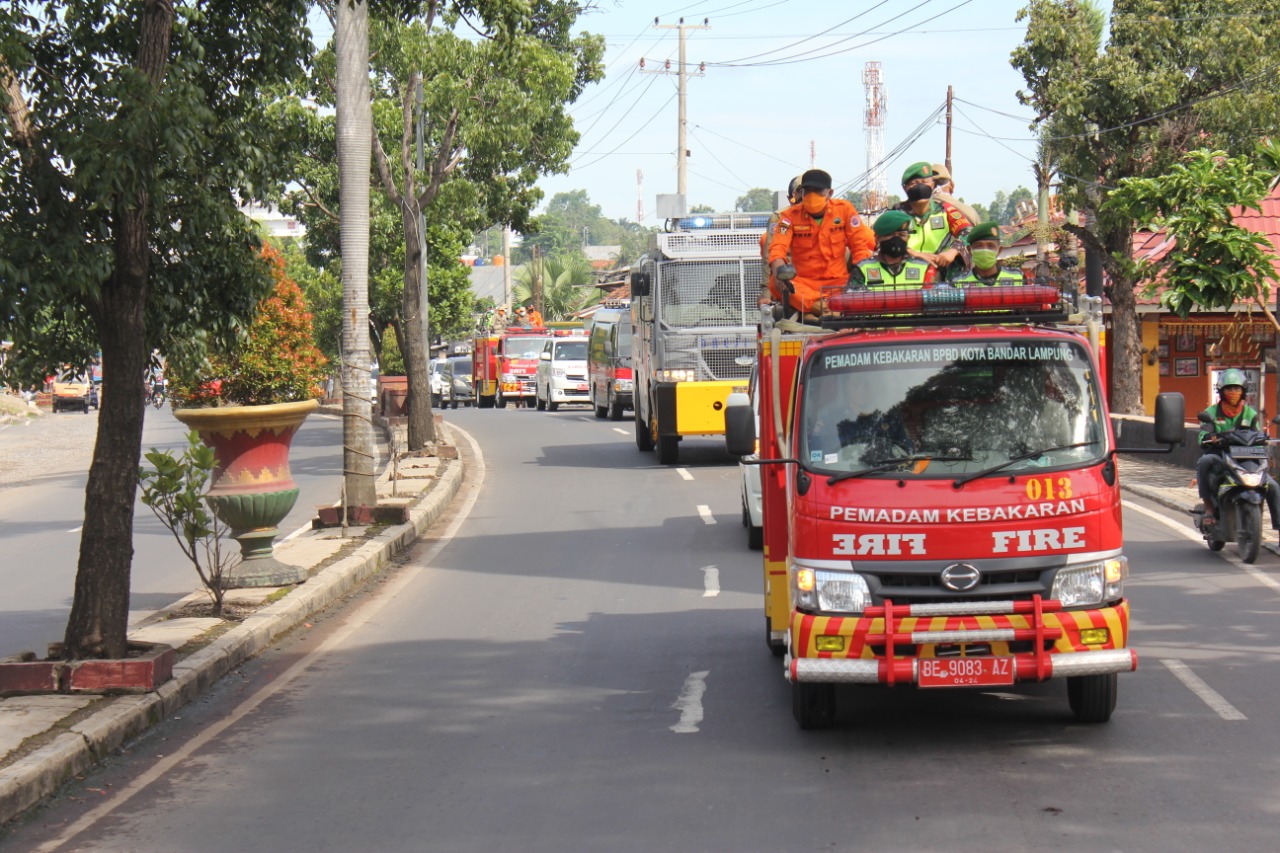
(941, 504)
(504, 364)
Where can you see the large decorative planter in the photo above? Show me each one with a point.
(253, 489)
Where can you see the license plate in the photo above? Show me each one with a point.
(1249, 452)
(965, 672)
(581, 386)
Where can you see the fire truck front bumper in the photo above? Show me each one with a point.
(960, 672)
(960, 644)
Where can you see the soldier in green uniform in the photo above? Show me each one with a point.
(984, 247)
(890, 267)
(940, 227)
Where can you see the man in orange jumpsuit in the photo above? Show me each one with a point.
(769, 287)
(815, 242)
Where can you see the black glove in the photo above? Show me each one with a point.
(786, 272)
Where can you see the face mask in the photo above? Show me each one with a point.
(815, 203)
(1232, 396)
(894, 247)
(984, 259)
(919, 192)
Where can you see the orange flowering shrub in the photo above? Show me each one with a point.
(276, 361)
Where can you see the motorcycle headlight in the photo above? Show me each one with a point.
(832, 592)
(1250, 480)
(1091, 584)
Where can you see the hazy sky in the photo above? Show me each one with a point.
(784, 78)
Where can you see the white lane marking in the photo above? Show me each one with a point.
(705, 512)
(690, 703)
(76, 529)
(710, 581)
(1207, 694)
(621, 431)
(1188, 532)
(358, 619)
(684, 474)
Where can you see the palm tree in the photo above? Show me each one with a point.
(567, 285)
(355, 156)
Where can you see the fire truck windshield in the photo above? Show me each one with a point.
(950, 409)
(522, 346)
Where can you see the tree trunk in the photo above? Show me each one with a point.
(413, 342)
(99, 620)
(354, 129)
(1124, 343)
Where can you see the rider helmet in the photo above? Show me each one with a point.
(1231, 377)
(793, 190)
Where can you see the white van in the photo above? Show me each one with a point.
(562, 373)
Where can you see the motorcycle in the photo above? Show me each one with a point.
(1241, 494)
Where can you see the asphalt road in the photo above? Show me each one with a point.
(42, 514)
(576, 661)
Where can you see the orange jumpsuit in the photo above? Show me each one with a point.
(817, 248)
(534, 317)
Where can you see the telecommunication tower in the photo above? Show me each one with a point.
(877, 106)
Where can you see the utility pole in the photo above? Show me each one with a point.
(506, 266)
(683, 75)
(947, 162)
(422, 230)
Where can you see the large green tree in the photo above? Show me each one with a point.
(132, 132)
(562, 283)
(1196, 202)
(756, 200)
(1173, 75)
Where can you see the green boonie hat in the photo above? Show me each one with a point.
(983, 231)
(889, 222)
(917, 170)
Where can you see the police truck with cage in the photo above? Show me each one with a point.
(693, 311)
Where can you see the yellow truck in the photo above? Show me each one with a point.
(73, 392)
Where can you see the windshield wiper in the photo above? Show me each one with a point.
(886, 464)
(1022, 457)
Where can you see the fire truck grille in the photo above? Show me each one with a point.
(926, 587)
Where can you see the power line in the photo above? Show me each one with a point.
(808, 38)
(629, 138)
(749, 148)
(707, 147)
(623, 117)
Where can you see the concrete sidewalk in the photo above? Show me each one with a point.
(46, 740)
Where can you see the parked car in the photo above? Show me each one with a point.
(752, 500)
(456, 385)
(562, 373)
(609, 362)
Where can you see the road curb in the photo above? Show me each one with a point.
(118, 720)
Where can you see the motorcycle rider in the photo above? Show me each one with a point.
(1231, 412)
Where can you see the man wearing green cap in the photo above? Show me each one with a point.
(984, 247)
(890, 268)
(939, 226)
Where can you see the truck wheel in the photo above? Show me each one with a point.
(813, 705)
(500, 401)
(601, 411)
(777, 648)
(668, 449)
(644, 441)
(1093, 697)
(1249, 538)
(485, 403)
(552, 405)
(615, 409)
(540, 404)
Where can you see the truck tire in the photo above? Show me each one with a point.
(1249, 537)
(644, 441)
(486, 403)
(552, 405)
(1093, 697)
(668, 449)
(615, 409)
(500, 401)
(540, 404)
(813, 705)
(601, 411)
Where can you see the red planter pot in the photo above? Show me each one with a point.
(253, 488)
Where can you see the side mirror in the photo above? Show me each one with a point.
(640, 283)
(739, 425)
(545, 356)
(1170, 426)
(1205, 418)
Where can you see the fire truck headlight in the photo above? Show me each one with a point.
(510, 377)
(682, 374)
(831, 592)
(1092, 584)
